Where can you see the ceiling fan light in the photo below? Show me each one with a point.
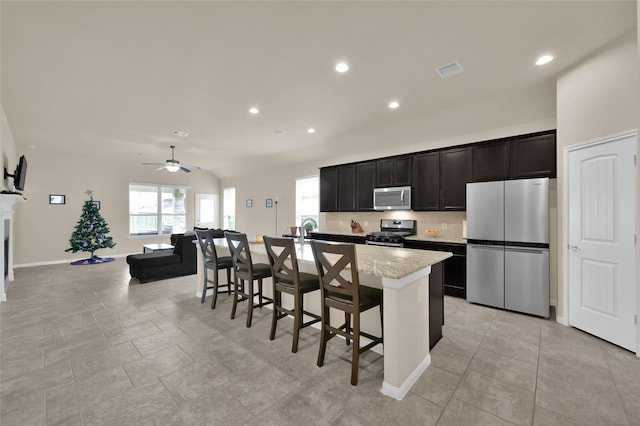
(172, 167)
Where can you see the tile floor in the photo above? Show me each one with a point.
(84, 345)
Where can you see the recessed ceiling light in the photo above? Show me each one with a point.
(311, 130)
(254, 110)
(342, 67)
(394, 104)
(180, 133)
(545, 59)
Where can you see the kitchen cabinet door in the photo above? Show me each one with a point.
(329, 189)
(347, 188)
(491, 161)
(533, 157)
(395, 171)
(455, 172)
(426, 181)
(366, 182)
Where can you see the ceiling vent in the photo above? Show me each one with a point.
(450, 70)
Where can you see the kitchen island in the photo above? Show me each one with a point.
(405, 276)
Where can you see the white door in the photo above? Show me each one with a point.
(207, 210)
(601, 239)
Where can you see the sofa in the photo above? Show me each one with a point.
(182, 260)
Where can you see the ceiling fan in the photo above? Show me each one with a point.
(174, 165)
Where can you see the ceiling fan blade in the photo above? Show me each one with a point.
(185, 169)
(160, 168)
(154, 164)
(190, 167)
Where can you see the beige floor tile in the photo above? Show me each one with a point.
(149, 368)
(459, 413)
(211, 408)
(88, 364)
(436, 385)
(66, 401)
(503, 400)
(505, 369)
(582, 394)
(521, 349)
(140, 406)
(197, 379)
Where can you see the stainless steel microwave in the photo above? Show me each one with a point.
(394, 198)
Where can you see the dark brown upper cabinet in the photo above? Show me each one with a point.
(329, 189)
(394, 171)
(491, 161)
(455, 172)
(533, 156)
(366, 182)
(347, 188)
(426, 181)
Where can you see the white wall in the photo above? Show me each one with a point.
(7, 148)
(42, 230)
(598, 97)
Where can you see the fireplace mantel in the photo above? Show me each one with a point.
(7, 201)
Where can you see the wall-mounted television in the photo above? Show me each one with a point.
(19, 175)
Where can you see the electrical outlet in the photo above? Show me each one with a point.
(444, 225)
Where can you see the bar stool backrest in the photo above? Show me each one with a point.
(240, 254)
(283, 260)
(337, 269)
(208, 248)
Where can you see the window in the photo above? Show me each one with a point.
(307, 199)
(157, 209)
(229, 208)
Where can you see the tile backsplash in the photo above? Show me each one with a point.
(447, 224)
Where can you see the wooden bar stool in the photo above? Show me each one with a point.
(212, 262)
(340, 289)
(245, 270)
(288, 279)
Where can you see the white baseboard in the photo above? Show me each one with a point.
(400, 392)
(58, 262)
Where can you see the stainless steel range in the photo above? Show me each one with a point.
(392, 232)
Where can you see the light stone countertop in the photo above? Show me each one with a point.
(437, 239)
(387, 262)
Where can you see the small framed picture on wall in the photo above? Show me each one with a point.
(57, 199)
(249, 202)
(269, 202)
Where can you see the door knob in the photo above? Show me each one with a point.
(574, 248)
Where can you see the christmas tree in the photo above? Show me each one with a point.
(91, 234)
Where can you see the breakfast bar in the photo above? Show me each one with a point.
(405, 276)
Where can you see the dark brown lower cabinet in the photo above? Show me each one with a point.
(436, 303)
(455, 267)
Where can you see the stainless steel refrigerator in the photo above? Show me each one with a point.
(508, 245)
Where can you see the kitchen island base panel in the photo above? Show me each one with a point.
(406, 331)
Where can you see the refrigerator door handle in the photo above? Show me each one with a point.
(526, 250)
(486, 247)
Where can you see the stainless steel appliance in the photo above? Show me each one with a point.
(392, 232)
(508, 245)
(395, 198)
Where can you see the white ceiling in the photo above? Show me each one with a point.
(119, 77)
